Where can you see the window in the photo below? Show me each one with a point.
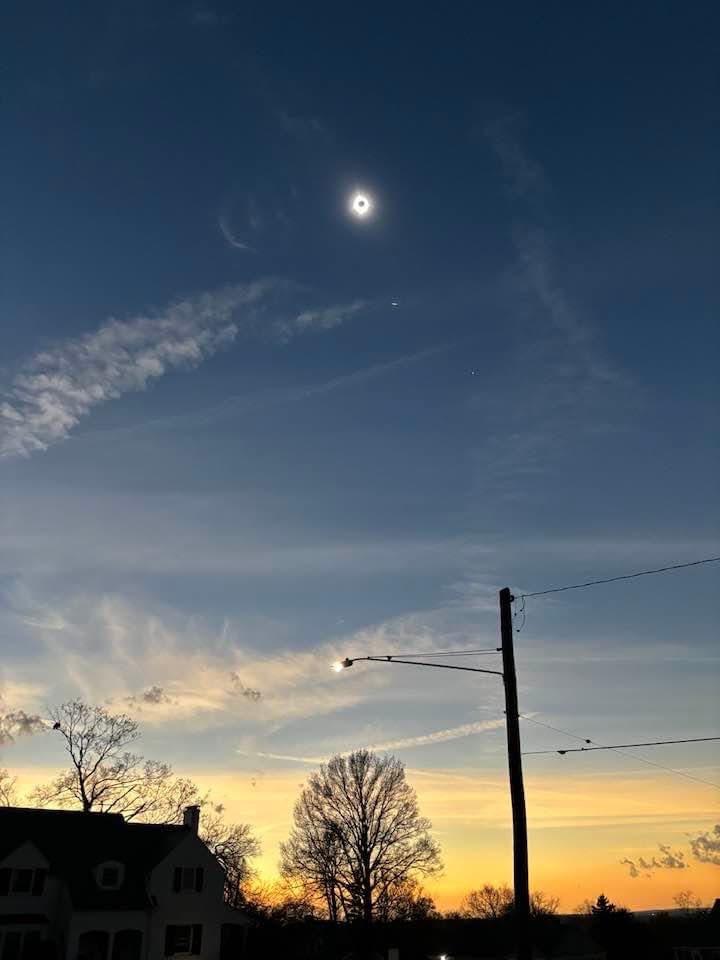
(16, 946)
(187, 879)
(183, 939)
(93, 945)
(110, 877)
(127, 945)
(22, 881)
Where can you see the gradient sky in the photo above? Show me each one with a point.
(243, 433)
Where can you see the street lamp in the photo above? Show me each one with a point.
(512, 726)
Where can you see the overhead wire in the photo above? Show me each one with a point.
(518, 613)
(617, 746)
(632, 756)
(626, 576)
(451, 653)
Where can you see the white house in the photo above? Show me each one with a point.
(90, 886)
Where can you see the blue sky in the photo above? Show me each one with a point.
(243, 432)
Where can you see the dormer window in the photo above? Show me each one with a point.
(109, 875)
(188, 879)
(22, 881)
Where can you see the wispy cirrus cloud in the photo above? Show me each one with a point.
(111, 648)
(239, 405)
(563, 381)
(234, 241)
(302, 126)
(324, 318)
(59, 387)
(201, 14)
(523, 174)
(402, 743)
(265, 214)
(439, 736)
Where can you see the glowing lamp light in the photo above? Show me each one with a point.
(341, 665)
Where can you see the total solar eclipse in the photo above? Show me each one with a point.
(361, 205)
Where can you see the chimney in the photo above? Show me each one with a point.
(191, 818)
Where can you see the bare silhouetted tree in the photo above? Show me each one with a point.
(687, 901)
(543, 904)
(490, 903)
(487, 902)
(406, 900)
(358, 836)
(8, 793)
(233, 845)
(105, 776)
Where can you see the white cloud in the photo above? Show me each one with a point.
(403, 743)
(439, 736)
(319, 319)
(174, 669)
(234, 241)
(372, 372)
(60, 386)
(534, 250)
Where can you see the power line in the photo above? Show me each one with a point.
(565, 733)
(451, 653)
(626, 576)
(617, 746)
(632, 756)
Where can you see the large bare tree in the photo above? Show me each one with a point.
(106, 776)
(358, 836)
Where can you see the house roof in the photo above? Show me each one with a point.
(74, 843)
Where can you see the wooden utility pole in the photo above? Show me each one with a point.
(517, 790)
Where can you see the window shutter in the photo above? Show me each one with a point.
(196, 946)
(4, 881)
(169, 941)
(177, 879)
(199, 877)
(38, 884)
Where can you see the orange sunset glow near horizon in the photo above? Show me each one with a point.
(580, 829)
